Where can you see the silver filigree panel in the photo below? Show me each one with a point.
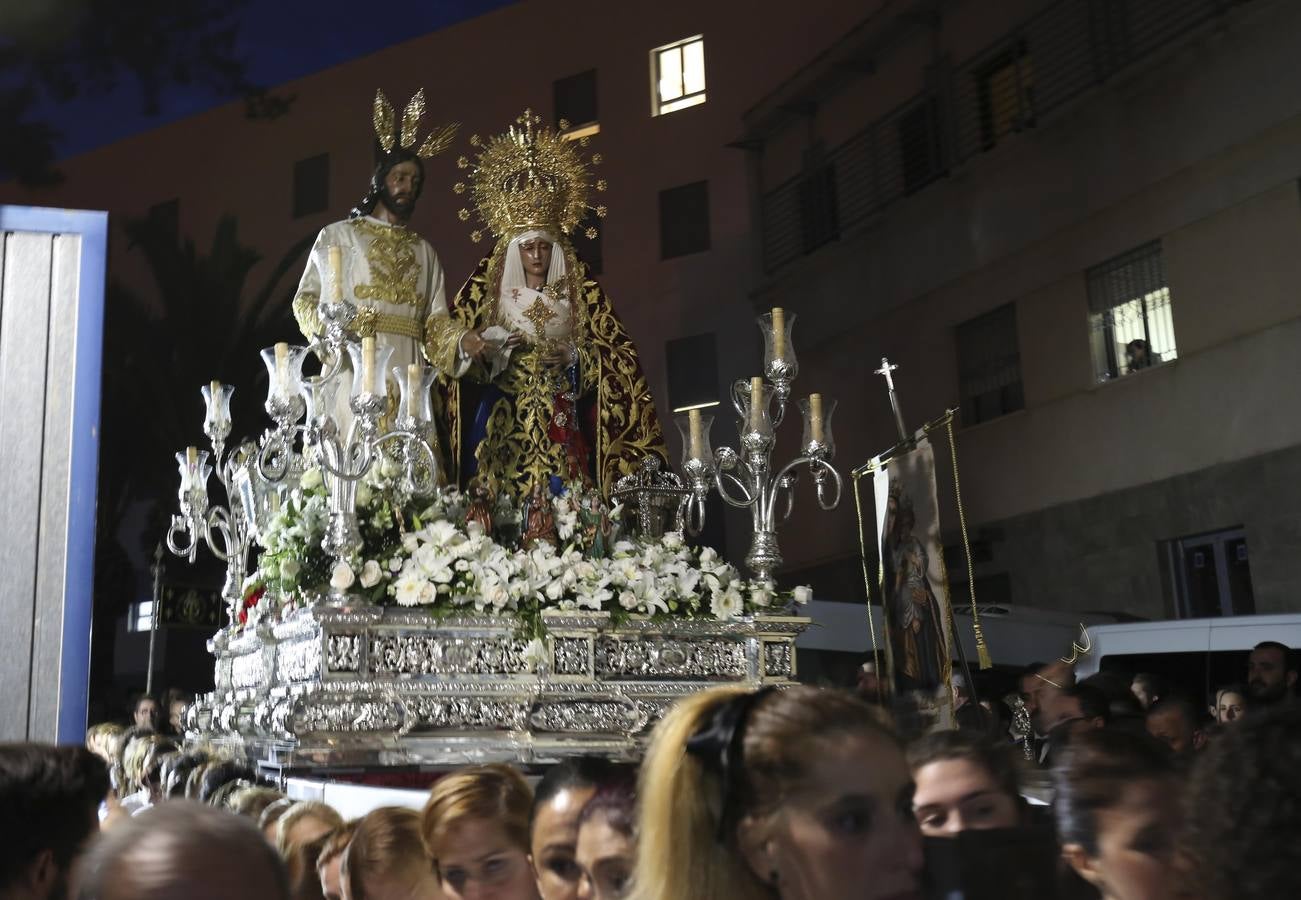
(299, 661)
(433, 713)
(777, 659)
(415, 654)
(248, 670)
(571, 656)
(343, 653)
(668, 658)
(347, 716)
(615, 716)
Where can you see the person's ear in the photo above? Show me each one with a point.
(42, 873)
(1084, 865)
(754, 840)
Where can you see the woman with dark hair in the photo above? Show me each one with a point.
(558, 800)
(964, 782)
(1246, 792)
(1117, 812)
(607, 842)
(799, 794)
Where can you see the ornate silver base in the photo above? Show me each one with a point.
(393, 687)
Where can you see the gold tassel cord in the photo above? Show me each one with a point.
(982, 649)
(867, 583)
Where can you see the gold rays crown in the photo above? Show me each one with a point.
(389, 135)
(529, 177)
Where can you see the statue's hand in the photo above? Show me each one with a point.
(473, 344)
(562, 355)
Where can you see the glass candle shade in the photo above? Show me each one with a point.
(369, 366)
(334, 264)
(195, 471)
(818, 439)
(694, 425)
(321, 394)
(216, 402)
(414, 384)
(779, 360)
(754, 398)
(284, 364)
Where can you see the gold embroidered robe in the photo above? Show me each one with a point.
(615, 408)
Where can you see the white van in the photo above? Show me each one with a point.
(1195, 655)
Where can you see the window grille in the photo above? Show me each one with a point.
(819, 222)
(678, 75)
(989, 366)
(1131, 323)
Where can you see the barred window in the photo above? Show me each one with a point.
(989, 366)
(1006, 94)
(1131, 324)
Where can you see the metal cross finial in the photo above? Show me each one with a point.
(886, 368)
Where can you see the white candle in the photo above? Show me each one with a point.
(335, 255)
(815, 416)
(192, 457)
(756, 403)
(697, 444)
(368, 364)
(778, 333)
(282, 367)
(414, 381)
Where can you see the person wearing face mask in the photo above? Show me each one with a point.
(798, 794)
(964, 782)
(386, 269)
(558, 801)
(476, 826)
(1117, 811)
(558, 399)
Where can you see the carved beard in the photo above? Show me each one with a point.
(402, 212)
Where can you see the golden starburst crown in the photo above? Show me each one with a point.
(389, 134)
(528, 177)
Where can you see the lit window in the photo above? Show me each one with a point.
(1130, 315)
(678, 76)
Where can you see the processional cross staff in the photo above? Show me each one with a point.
(886, 369)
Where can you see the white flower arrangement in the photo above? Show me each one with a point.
(426, 555)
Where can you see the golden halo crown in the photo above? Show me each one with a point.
(390, 135)
(529, 177)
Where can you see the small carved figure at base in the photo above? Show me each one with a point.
(480, 508)
(539, 521)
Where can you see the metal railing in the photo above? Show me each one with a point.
(1039, 66)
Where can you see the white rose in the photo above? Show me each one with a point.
(389, 467)
(289, 569)
(371, 573)
(628, 600)
(428, 593)
(395, 564)
(803, 594)
(364, 494)
(555, 590)
(760, 596)
(342, 576)
(311, 479)
(672, 540)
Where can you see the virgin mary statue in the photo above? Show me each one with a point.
(558, 397)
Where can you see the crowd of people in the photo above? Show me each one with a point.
(1119, 789)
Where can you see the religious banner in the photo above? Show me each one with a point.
(191, 606)
(914, 586)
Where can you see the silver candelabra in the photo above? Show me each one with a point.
(746, 478)
(258, 477)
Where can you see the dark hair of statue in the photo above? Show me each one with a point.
(377, 189)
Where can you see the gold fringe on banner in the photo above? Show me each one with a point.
(982, 649)
(867, 584)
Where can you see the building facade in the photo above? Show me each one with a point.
(1077, 221)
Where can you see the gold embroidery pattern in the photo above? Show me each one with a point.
(404, 326)
(306, 314)
(394, 268)
(516, 448)
(441, 341)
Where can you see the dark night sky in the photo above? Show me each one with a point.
(280, 40)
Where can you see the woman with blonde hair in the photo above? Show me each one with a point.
(476, 825)
(386, 859)
(797, 794)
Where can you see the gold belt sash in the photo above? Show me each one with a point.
(401, 325)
